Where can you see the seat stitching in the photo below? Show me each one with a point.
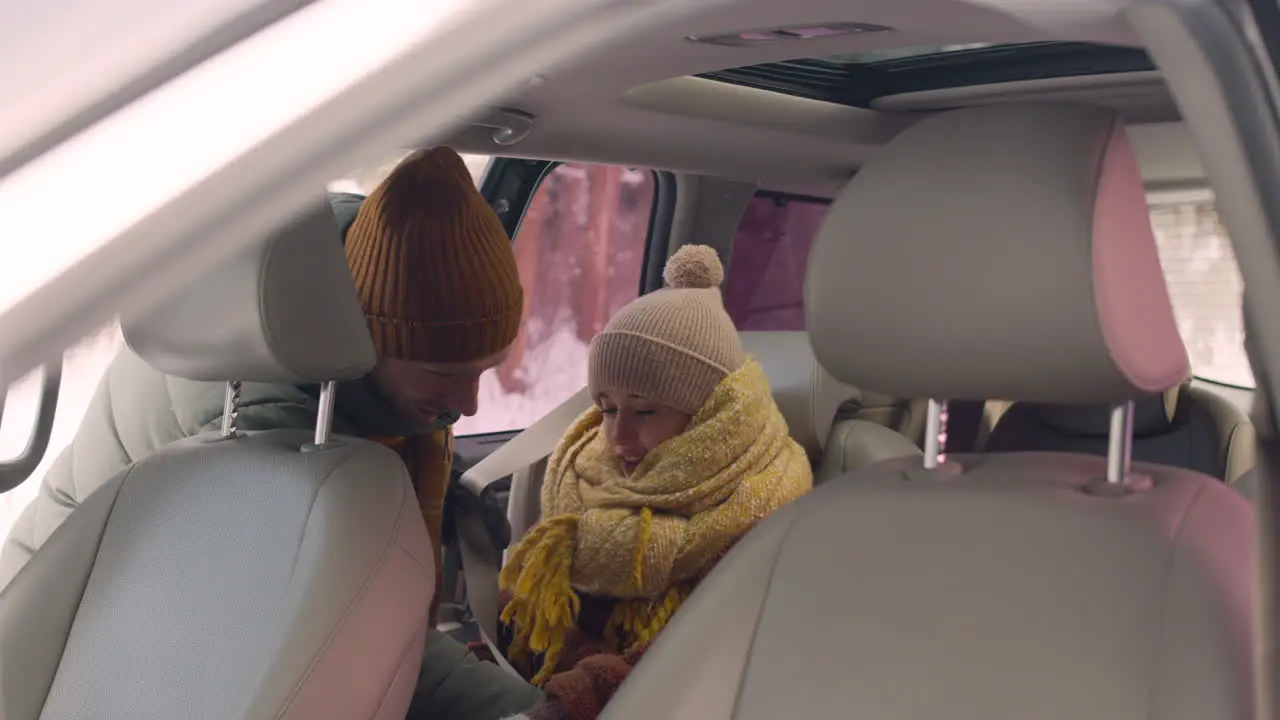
(1165, 579)
(1226, 454)
(53, 679)
(755, 627)
(386, 692)
(815, 381)
(359, 595)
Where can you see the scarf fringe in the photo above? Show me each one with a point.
(544, 606)
(635, 622)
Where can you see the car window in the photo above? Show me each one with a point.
(82, 369)
(580, 251)
(1204, 285)
(764, 288)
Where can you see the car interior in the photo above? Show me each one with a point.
(979, 258)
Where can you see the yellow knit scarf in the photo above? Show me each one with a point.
(647, 538)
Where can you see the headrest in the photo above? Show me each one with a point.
(1003, 251)
(807, 395)
(281, 311)
(1152, 415)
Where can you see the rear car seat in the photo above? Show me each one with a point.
(906, 416)
(809, 398)
(1007, 585)
(1184, 427)
(818, 408)
(967, 425)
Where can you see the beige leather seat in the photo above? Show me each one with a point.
(1001, 251)
(1184, 426)
(262, 575)
(906, 416)
(818, 407)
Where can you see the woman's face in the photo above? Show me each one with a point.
(635, 426)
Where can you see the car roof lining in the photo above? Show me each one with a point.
(642, 103)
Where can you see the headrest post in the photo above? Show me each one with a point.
(324, 414)
(231, 409)
(935, 434)
(1120, 443)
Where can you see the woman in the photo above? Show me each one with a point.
(682, 454)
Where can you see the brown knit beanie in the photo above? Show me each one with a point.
(673, 346)
(433, 265)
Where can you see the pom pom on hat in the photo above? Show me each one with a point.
(694, 267)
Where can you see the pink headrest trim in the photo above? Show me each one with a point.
(1129, 286)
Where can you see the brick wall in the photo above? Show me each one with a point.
(1205, 288)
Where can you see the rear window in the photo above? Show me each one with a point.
(1204, 285)
(764, 289)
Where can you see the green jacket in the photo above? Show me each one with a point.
(136, 410)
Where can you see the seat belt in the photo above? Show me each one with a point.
(481, 557)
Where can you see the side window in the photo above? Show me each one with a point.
(764, 289)
(580, 251)
(1204, 285)
(82, 368)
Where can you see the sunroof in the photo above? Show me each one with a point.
(875, 56)
(858, 79)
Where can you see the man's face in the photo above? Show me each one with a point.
(421, 392)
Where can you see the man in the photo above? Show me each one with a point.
(436, 276)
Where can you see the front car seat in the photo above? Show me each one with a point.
(818, 408)
(999, 251)
(1184, 427)
(238, 575)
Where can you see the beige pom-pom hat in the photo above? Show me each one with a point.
(672, 346)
